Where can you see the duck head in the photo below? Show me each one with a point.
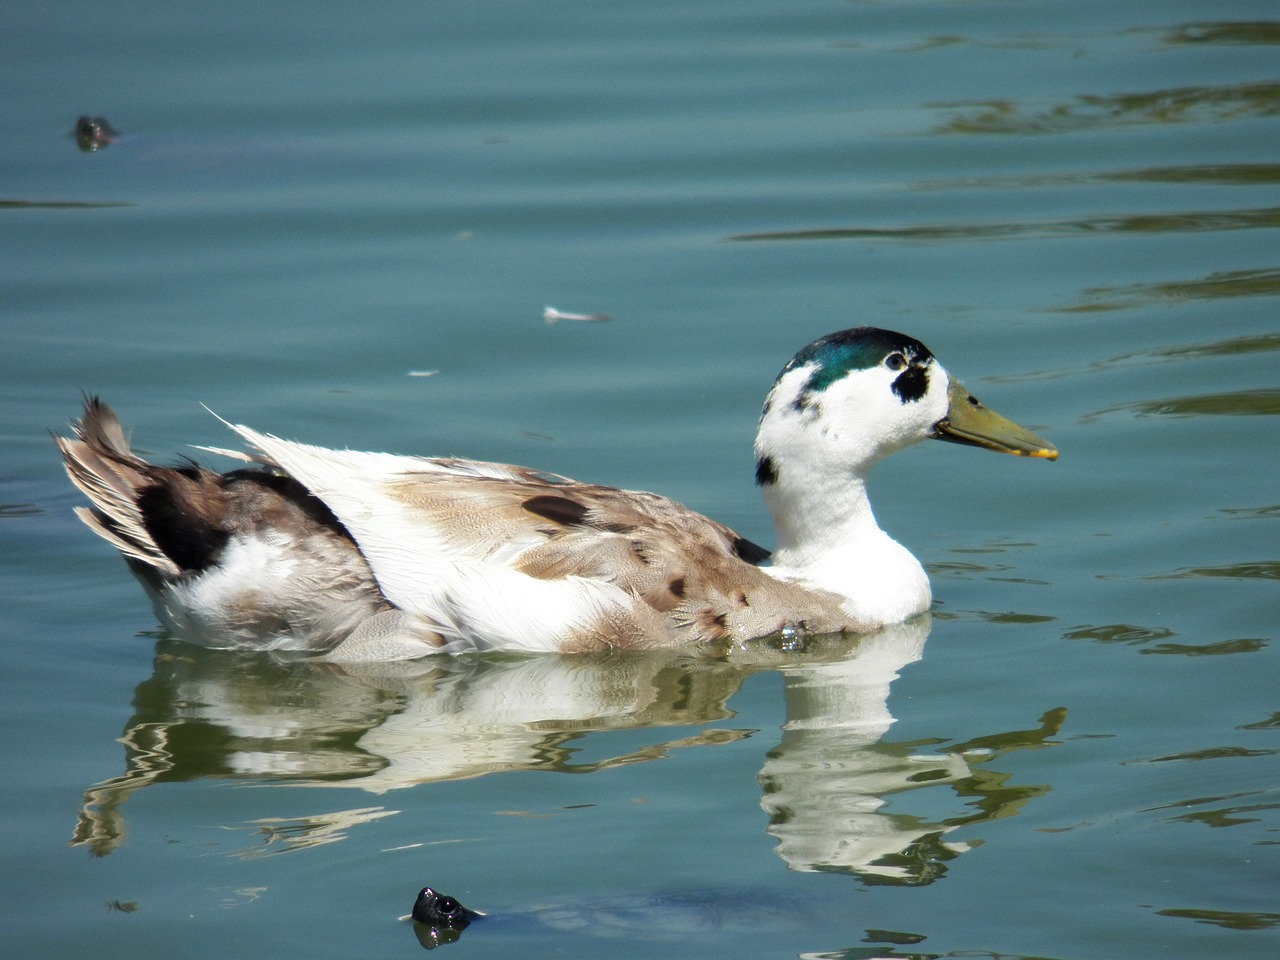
(842, 404)
(851, 398)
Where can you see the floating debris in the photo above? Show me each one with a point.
(423, 373)
(551, 315)
(94, 133)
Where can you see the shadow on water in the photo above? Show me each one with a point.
(1221, 33)
(1090, 112)
(1231, 347)
(1226, 32)
(678, 916)
(1232, 920)
(1189, 221)
(19, 510)
(1176, 105)
(1217, 174)
(60, 204)
(1262, 282)
(1086, 113)
(1233, 403)
(825, 786)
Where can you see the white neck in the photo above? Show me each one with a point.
(827, 536)
(815, 452)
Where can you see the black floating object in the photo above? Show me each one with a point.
(439, 919)
(94, 133)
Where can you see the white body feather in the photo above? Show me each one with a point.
(466, 589)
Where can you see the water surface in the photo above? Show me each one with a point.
(1074, 205)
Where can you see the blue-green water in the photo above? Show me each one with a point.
(1074, 204)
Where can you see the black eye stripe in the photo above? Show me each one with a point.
(911, 384)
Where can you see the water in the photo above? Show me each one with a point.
(1072, 204)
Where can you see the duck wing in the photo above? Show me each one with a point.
(502, 556)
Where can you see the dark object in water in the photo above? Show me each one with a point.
(94, 133)
(685, 917)
(439, 919)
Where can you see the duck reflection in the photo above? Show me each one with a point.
(219, 714)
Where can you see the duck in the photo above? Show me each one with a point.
(359, 556)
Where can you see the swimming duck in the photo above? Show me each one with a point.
(374, 556)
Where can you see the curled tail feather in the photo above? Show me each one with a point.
(100, 462)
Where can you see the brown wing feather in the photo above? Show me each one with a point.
(696, 573)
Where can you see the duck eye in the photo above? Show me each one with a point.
(895, 362)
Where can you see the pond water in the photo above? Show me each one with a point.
(311, 207)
